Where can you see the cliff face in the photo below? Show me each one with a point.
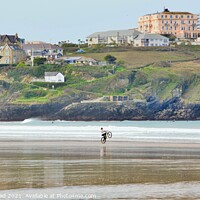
(172, 109)
(159, 91)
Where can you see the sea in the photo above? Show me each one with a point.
(66, 160)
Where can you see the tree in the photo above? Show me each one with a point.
(39, 61)
(110, 59)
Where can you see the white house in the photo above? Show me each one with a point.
(54, 77)
(81, 60)
(119, 37)
(150, 39)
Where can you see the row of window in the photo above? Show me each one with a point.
(176, 16)
(172, 17)
(154, 45)
(175, 22)
(182, 28)
(161, 40)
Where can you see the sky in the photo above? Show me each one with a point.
(63, 20)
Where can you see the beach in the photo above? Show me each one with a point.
(83, 168)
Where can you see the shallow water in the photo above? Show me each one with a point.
(66, 158)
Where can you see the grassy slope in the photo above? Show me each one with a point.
(134, 59)
(154, 79)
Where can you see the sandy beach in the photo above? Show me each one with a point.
(67, 161)
(43, 164)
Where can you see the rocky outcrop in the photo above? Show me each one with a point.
(173, 109)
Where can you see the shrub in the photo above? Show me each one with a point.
(39, 61)
(35, 93)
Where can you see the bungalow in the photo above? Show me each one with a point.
(55, 77)
(150, 39)
(81, 60)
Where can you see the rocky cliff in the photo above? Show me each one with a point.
(173, 109)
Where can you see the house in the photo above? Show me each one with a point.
(11, 54)
(183, 25)
(11, 39)
(118, 37)
(54, 77)
(81, 60)
(147, 39)
(42, 49)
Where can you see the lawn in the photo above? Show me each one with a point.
(134, 59)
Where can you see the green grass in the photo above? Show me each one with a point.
(134, 59)
(51, 94)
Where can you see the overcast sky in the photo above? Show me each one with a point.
(56, 20)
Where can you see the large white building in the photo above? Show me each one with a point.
(119, 37)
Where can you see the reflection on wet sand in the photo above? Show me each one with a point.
(57, 164)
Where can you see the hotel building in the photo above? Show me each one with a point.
(183, 25)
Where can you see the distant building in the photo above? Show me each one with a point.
(119, 37)
(80, 60)
(147, 39)
(54, 77)
(183, 25)
(41, 49)
(11, 39)
(11, 54)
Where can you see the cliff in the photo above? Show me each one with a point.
(157, 91)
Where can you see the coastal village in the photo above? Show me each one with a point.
(161, 29)
(156, 29)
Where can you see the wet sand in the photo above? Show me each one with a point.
(60, 164)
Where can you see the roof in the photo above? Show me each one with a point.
(40, 46)
(150, 36)
(12, 38)
(72, 58)
(128, 32)
(177, 13)
(51, 73)
(171, 13)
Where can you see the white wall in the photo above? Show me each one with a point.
(58, 78)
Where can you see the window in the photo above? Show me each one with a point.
(6, 60)
(7, 52)
(182, 22)
(165, 16)
(162, 16)
(171, 16)
(176, 16)
(181, 16)
(188, 16)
